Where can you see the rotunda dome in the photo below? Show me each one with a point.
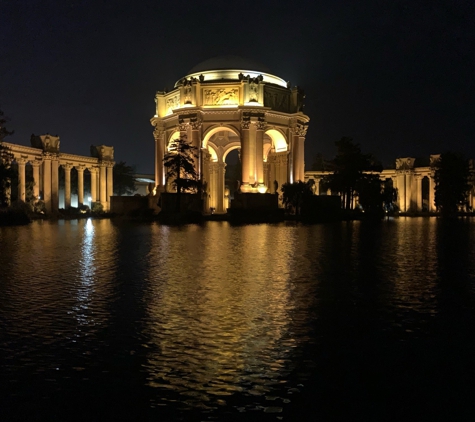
(231, 68)
(229, 62)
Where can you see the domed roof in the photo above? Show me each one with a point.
(231, 68)
(229, 62)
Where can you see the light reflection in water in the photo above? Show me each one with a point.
(87, 273)
(219, 312)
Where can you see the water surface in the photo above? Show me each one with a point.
(346, 321)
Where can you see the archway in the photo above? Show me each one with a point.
(218, 142)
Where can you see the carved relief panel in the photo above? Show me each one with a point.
(220, 96)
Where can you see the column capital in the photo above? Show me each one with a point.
(36, 163)
(182, 127)
(67, 166)
(80, 167)
(196, 124)
(260, 124)
(158, 132)
(110, 164)
(245, 123)
(300, 129)
(21, 160)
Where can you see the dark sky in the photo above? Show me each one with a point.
(396, 76)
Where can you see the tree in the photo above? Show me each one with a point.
(349, 166)
(294, 194)
(320, 164)
(124, 180)
(451, 183)
(180, 164)
(6, 158)
(370, 194)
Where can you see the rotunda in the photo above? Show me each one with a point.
(229, 103)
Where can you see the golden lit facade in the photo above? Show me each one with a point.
(226, 104)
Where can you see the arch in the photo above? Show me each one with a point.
(231, 147)
(278, 139)
(214, 129)
(171, 137)
(214, 155)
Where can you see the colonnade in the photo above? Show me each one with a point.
(408, 181)
(46, 160)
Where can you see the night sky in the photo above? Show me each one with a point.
(396, 76)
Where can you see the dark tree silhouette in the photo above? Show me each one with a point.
(451, 183)
(370, 194)
(294, 194)
(349, 166)
(180, 165)
(6, 158)
(124, 180)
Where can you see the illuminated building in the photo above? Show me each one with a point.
(230, 103)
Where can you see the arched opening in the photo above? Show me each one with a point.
(233, 175)
(275, 159)
(221, 144)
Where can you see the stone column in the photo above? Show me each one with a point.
(159, 136)
(260, 127)
(110, 183)
(21, 179)
(213, 185)
(67, 185)
(317, 185)
(93, 172)
(245, 155)
(80, 170)
(220, 188)
(36, 178)
(102, 184)
(54, 184)
(196, 142)
(418, 193)
(401, 186)
(432, 207)
(298, 160)
(252, 154)
(47, 181)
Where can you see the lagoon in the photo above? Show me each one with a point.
(345, 321)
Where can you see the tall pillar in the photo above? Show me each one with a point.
(419, 193)
(220, 188)
(317, 185)
(401, 186)
(36, 178)
(21, 179)
(260, 127)
(67, 185)
(245, 155)
(432, 207)
(102, 184)
(159, 135)
(93, 172)
(252, 154)
(298, 160)
(54, 184)
(47, 181)
(110, 184)
(213, 185)
(196, 142)
(80, 170)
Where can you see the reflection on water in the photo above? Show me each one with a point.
(221, 318)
